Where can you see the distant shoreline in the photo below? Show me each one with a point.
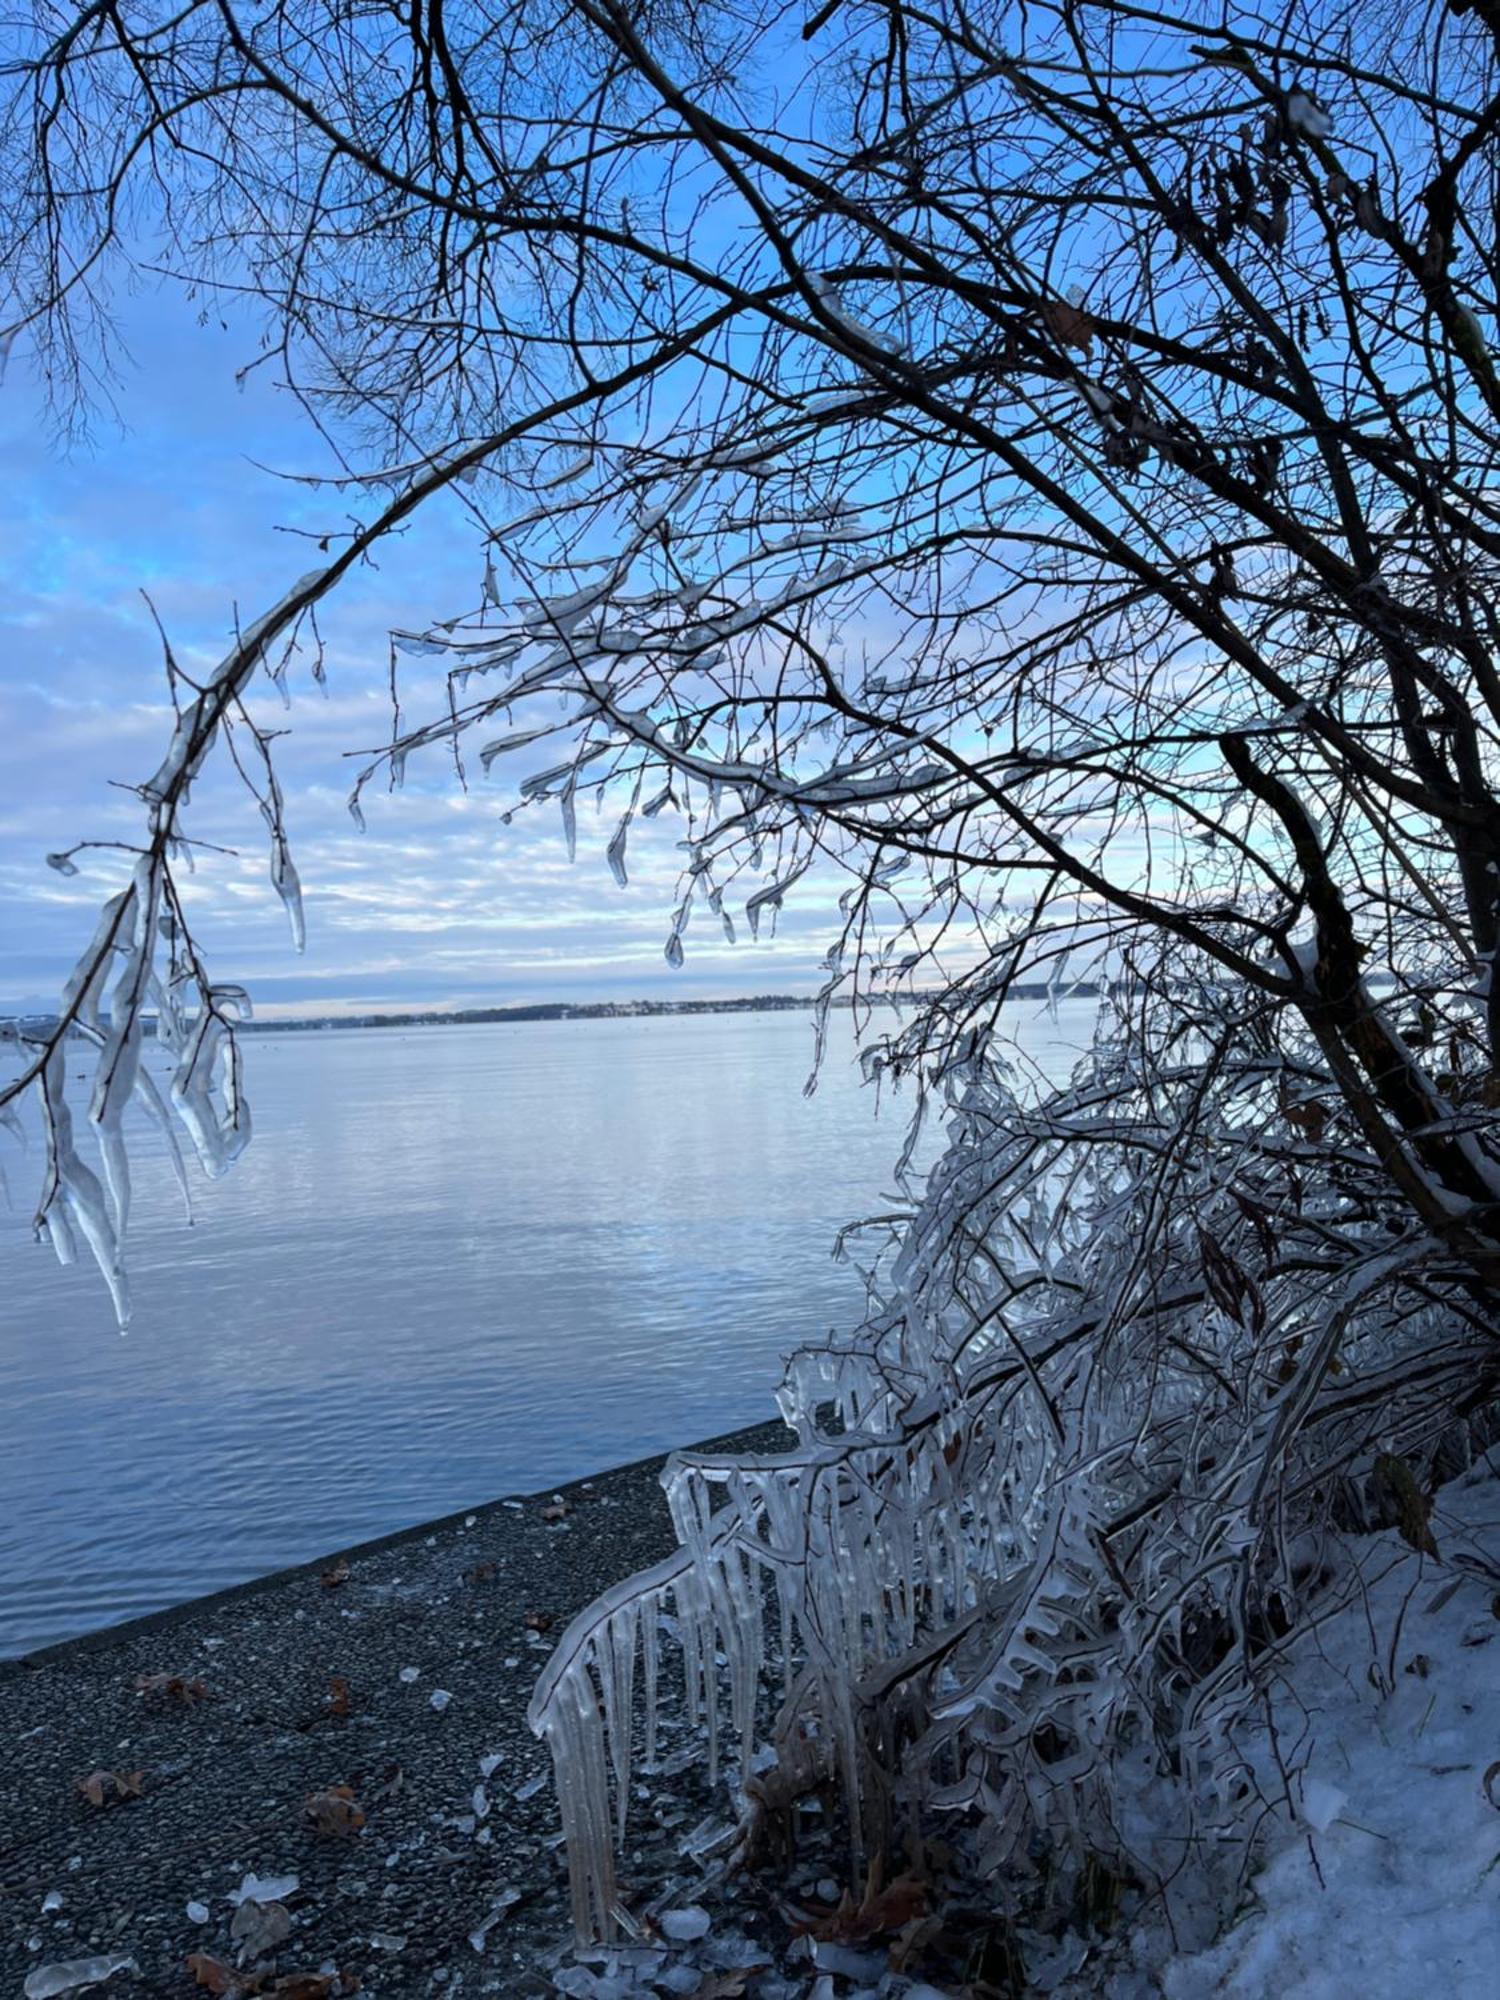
(555, 1010)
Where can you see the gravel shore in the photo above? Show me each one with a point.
(151, 1767)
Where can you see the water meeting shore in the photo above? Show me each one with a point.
(152, 1766)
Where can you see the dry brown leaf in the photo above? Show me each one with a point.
(728, 1985)
(556, 1510)
(335, 1813)
(313, 1985)
(482, 1572)
(332, 1578)
(219, 1977)
(184, 1688)
(112, 1788)
(1069, 325)
(885, 1906)
(338, 1701)
(539, 1621)
(1413, 1507)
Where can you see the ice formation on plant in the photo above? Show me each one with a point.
(1051, 1508)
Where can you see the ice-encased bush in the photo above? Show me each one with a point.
(1053, 1507)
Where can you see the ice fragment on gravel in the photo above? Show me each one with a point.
(706, 1838)
(384, 1941)
(72, 1975)
(684, 1925)
(502, 1902)
(828, 1957)
(52, 1901)
(440, 1699)
(532, 1786)
(259, 1927)
(197, 1913)
(274, 1889)
(409, 1674)
(480, 1802)
(487, 1764)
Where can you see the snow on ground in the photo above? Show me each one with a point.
(1388, 1886)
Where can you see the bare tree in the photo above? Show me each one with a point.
(1039, 461)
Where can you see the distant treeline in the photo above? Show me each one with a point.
(546, 1010)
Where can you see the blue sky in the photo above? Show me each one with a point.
(438, 904)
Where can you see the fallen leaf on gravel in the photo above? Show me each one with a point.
(258, 1928)
(219, 1977)
(72, 1975)
(539, 1621)
(556, 1511)
(112, 1788)
(332, 1578)
(728, 1985)
(482, 1572)
(885, 1906)
(335, 1813)
(338, 1701)
(184, 1688)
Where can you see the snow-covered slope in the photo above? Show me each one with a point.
(1387, 1887)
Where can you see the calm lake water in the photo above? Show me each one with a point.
(455, 1263)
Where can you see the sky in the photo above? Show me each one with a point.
(180, 495)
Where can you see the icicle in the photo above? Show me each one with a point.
(569, 804)
(615, 853)
(285, 882)
(574, 1737)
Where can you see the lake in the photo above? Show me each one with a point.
(456, 1262)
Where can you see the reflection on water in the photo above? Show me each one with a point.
(456, 1262)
